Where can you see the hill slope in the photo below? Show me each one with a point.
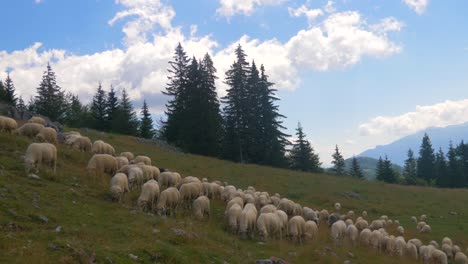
(68, 218)
(440, 137)
(368, 166)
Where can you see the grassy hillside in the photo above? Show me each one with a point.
(93, 228)
(369, 166)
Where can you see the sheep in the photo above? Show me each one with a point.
(148, 196)
(263, 200)
(7, 124)
(269, 225)
(420, 225)
(275, 200)
(215, 190)
(460, 258)
(101, 147)
(400, 231)
(146, 160)
(425, 252)
(284, 219)
(235, 200)
(247, 220)
(456, 249)
(447, 249)
(310, 230)
(225, 195)
(70, 137)
(48, 135)
(189, 179)
(375, 238)
(121, 161)
(232, 215)
(414, 219)
(118, 186)
(168, 201)
(425, 229)
(397, 223)
(188, 192)
(269, 208)
(439, 257)
(201, 207)
(287, 206)
(364, 236)
(169, 179)
(390, 245)
(207, 189)
(352, 234)
(400, 246)
(250, 198)
(349, 222)
(434, 243)
(411, 250)
(150, 172)
(135, 177)
(310, 214)
(37, 120)
(29, 130)
(350, 214)
(376, 224)
(423, 218)
(333, 218)
(416, 242)
(102, 163)
(337, 206)
(128, 155)
(38, 153)
(447, 240)
(361, 224)
(338, 231)
(323, 215)
(296, 226)
(364, 214)
(81, 143)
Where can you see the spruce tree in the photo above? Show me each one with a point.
(9, 91)
(21, 106)
(338, 163)
(146, 123)
(50, 99)
(77, 113)
(380, 170)
(426, 160)
(98, 109)
(440, 169)
(385, 171)
(253, 134)
(302, 156)
(355, 170)
(409, 170)
(460, 179)
(112, 104)
(2, 92)
(126, 119)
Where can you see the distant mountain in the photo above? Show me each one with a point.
(440, 137)
(368, 166)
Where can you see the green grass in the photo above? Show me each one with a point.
(95, 228)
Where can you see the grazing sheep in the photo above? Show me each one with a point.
(29, 130)
(235, 200)
(414, 219)
(411, 250)
(390, 245)
(71, 136)
(149, 172)
(438, 256)
(275, 200)
(447, 249)
(37, 120)
(207, 189)
(233, 215)
(323, 215)
(121, 161)
(423, 218)
(338, 231)
(102, 163)
(247, 220)
(434, 243)
(81, 143)
(146, 160)
(38, 153)
(169, 179)
(189, 192)
(101, 147)
(447, 240)
(456, 249)
(364, 214)
(215, 190)
(376, 224)
(337, 206)
(269, 208)
(128, 155)
(48, 135)
(135, 177)
(7, 124)
(416, 242)
(420, 225)
(397, 223)
(425, 229)
(201, 207)
(349, 222)
(269, 225)
(118, 186)
(460, 258)
(226, 194)
(350, 214)
(284, 219)
(364, 236)
(425, 252)
(333, 218)
(361, 224)
(310, 214)
(310, 230)
(400, 246)
(296, 226)
(168, 201)
(375, 239)
(352, 234)
(148, 196)
(287, 206)
(400, 231)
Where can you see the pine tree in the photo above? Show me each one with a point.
(112, 104)
(2, 92)
(21, 106)
(409, 170)
(385, 171)
(146, 124)
(338, 163)
(355, 170)
(453, 167)
(460, 179)
(9, 91)
(302, 156)
(77, 114)
(98, 109)
(440, 169)
(426, 160)
(236, 109)
(380, 170)
(50, 99)
(31, 105)
(126, 119)
(253, 134)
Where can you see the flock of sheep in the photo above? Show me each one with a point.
(248, 212)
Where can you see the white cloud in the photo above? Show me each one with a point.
(38, 1)
(231, 8)
(419, 6)
(437, 115)
(311, 14)
(330, 7)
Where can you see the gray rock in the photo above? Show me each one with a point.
(44, 218)
(133, 257)
(33, 176)
(58, 229)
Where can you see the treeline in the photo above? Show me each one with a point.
(107, 111)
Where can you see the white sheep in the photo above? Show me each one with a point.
(7, 124)
(102, 163)
(460, 258)
(423, 218)
(361, 224)
(80, 143)
(425, 229)
(168, 201)
(447, 249)
(310, 230)
(338, 231)
(38, 153)
(128, 155)
(447, 240)
(118, 186)
(37, 120)
(438, 256)
(189, 192)
(310, 214)
(364, 214)
(337, 206)
(207, 190)
(400, 231)
(201, 207)
(416, 242)
(349, 222)
(425, 252)
(287, 206)
(376, 224)
(232, 216)
(296, 226)
(101, 147)
(414, 219)
(149, 195)
(48, 135)
(434, 243)
(29, 130)
(145, 159)
(268, 225)
(169, 179)
(284, 219)
(235, 200)
(269, 208)
(247, 220)
(121, 161)
(400, 246)
(411, 250)
(364, 236)
(135, 177)
(352, 233)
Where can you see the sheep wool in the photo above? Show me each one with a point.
(268, 225)
(29, 130)
(38, 153)
(128, 155)
(201, 207)
(146, 160)
(296, 226)
(47, 134)
(7, 125)
(118, 186)
(233, 215)
(102, 163)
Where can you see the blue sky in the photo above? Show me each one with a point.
(354, 73)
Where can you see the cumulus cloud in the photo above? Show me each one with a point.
(330, 7)
(419, 6)
(437, 115)
(311, 14)
(231, 8)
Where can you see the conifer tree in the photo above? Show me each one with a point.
(112, 104)
(98, 109)
(21, 106)
(338, 163)
(146, 123)
(380, 170)
(409, 170)
(426, 160)
(31, 105)
(77, 114)
(50, 99)
(9, 91)
(2, 92)
(302, 156)
(126, 119)
(355, 170)
(440, 169)
(453, 167)
(460, 178)
(385, 171)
